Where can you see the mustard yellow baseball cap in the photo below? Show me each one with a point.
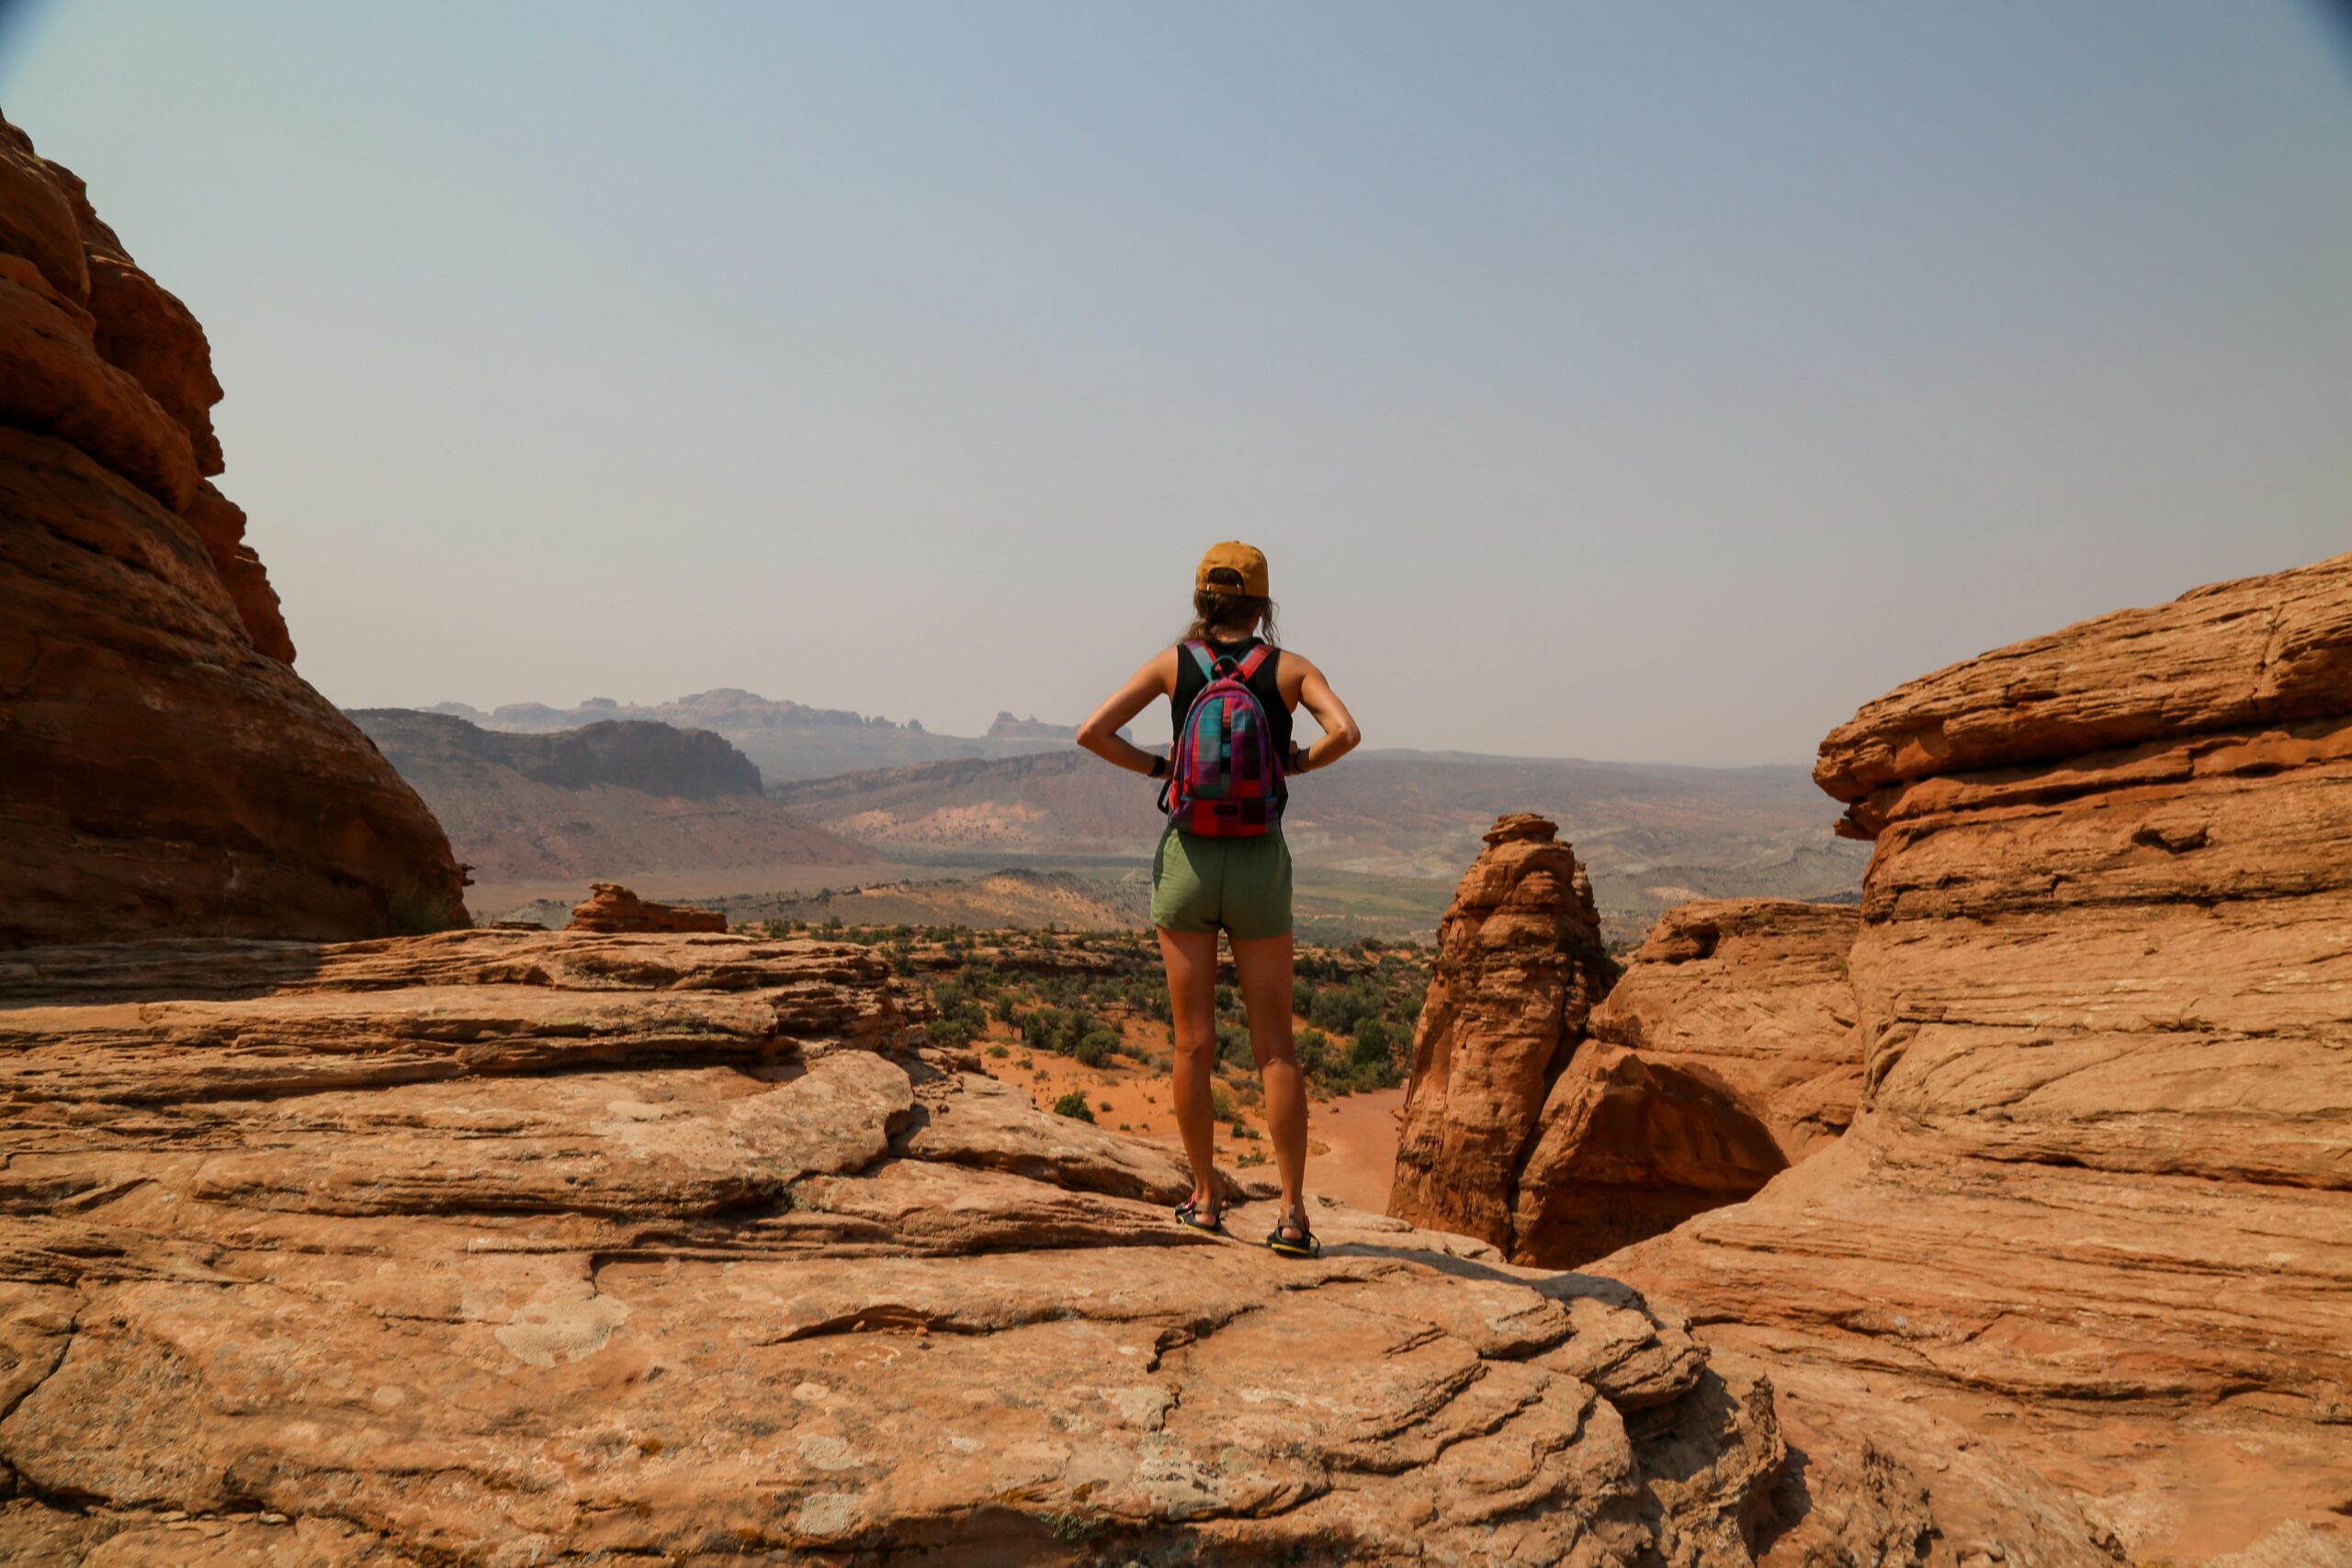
(1247, 561)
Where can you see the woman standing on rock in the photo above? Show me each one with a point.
(1222, 865)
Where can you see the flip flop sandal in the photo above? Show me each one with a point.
(1303, 1245)
(1188, 1214)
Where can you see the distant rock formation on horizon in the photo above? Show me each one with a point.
(167, 772)
(616, 798)
(787, 740)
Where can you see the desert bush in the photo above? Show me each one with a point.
(1073, 1105)
(1096, 1046)
(1314, 1050)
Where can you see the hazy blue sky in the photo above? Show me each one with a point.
(1638, 381)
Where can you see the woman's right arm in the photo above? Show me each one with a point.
(1099, 733)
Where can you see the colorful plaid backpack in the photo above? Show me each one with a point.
(1224, 780)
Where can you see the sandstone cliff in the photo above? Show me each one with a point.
(166, 770)
(503, 1248)
(2078, 1277)
(1559, 1125)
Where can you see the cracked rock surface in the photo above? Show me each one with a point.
(508, 1247)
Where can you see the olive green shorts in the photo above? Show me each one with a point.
(1241, 885)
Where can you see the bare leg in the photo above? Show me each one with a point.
(1190, 957)
(1265, 971)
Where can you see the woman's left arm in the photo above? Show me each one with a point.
(1100, 733)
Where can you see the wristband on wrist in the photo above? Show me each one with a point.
(1298, 757)
(1159, 767)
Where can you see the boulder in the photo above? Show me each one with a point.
(612, 907)
(167, 772)
(505, 1247)
(2081, 1269)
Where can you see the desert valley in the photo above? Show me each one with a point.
(1941, 1160)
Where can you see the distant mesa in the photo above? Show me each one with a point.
(167, 773)
(787, 740)
(614, 798)
(657, 758)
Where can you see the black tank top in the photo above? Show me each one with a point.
(1266, 684)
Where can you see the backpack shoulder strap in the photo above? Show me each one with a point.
(1252, 660)
(1203, 656)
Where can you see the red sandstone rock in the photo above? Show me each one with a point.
(2081, 1267)
(497, 1247)
(2259, 651)
(1519, 966)
(166, 772)
(612, 907)
(220, 524)
(1752, 995)
(1724, 1053)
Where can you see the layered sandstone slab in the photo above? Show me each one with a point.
(166, 770)
(506, 1247)
(1559, 1125)
(612, 907)
(2082, 1267)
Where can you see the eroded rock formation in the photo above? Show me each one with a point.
(1559, 1125)
(505, 1248)
(1519, 967)
(166, 772)
(2082, 1270)
(612, 907)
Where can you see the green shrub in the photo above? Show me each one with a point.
(1073, 1105)
(1314, 1050)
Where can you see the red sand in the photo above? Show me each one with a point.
(1350, 1140)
